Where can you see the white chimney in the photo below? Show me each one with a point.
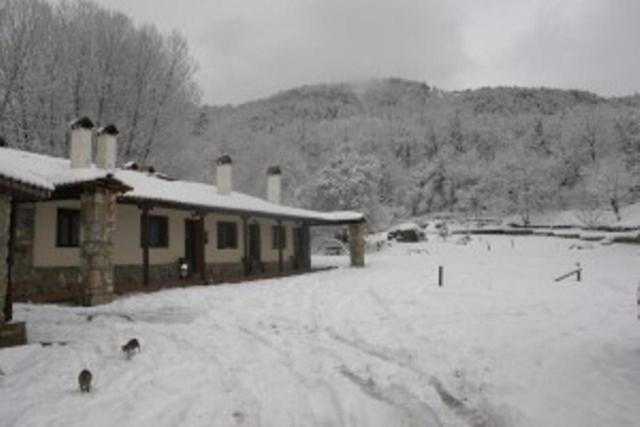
(223, 174)
(274, 184)
(81, 143)
(107, 147)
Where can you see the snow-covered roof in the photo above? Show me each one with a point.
(42, 171)
(49, 172)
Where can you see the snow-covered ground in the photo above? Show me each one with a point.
(500, 344)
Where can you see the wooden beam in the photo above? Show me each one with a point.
(201, 248)
(145, 244)
(22, 190)
(245, 240)
(280, 246)
(8, 303)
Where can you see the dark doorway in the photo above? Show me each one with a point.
(194, 246)
(255, 264)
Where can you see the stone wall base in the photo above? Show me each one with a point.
(63, 284)
(225, 270)
(12, 334)
(97, 299)
(48, 284)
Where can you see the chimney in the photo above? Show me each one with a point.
(81, 143)
(107, 147)
(274, 187)
(223, 172)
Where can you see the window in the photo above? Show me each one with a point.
(68, 228)
(157, 231)
(279, 237)
(227, 235)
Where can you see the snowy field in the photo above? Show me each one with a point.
(500, 344)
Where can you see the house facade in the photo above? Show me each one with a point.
(92, 230)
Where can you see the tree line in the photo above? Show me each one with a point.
(69, 59)
(392, 148)
(399, 149)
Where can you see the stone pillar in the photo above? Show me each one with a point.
(5, 221)
(306, 246)
(97, 227)
(356, 244)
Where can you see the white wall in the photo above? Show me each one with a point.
(127, 249)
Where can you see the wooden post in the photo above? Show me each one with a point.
(145, 245)
(306, 244)
(578, 272)
(245, 240)
(7, 239)
(8, 308)
(638, 300)
(202, 257)
(280, 246)
(440, 276)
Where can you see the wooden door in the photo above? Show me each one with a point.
(254, 248)
(194, 246)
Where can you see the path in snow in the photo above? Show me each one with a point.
(500, 344)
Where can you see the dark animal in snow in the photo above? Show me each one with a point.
(131, 347)
(84, 380)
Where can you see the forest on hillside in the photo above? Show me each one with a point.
(63, 60)
(392, 148)
(400, 149)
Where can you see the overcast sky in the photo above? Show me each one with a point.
(248, 49)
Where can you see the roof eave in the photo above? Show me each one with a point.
(137, 200)
(21, 189)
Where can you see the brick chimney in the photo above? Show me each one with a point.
(107, 147)
(223, 174)
(274, 184)
(80, 145)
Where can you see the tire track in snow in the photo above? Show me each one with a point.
(417, 412)
(402, 359)
(323, 405)
(247, 408)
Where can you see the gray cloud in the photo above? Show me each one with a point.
(591, 45)
(253, 48)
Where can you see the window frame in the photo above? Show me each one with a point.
(226, 239)
(67, 241)
(278, 237)
(163, 220)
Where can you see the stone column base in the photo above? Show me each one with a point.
(97, 299)
(356, 244)
(13, 334)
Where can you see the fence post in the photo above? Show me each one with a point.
(578, 272)
(638, 298)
